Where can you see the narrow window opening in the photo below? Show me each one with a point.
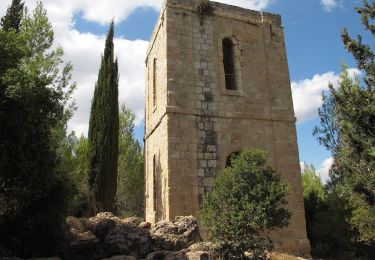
(155, 181)
(154, 81)
(230, 158)
(228, 59)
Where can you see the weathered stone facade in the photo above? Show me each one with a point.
(194, 121)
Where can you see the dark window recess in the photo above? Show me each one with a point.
(155, 182)
(154, 81)
(228, 53)
(230, 158)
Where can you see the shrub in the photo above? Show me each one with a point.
(247, 198)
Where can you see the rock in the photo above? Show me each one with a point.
(206, 249)
(127, 239)
(75, 223)
(145, 225)
(206, 246)
(108, 236)
(87, 224)
(103, 228)
(83, 247)
(167, 255)
(104, 215)
(47, 258)
(121, 257)
(282, 256)
(200, 255)
(176, 235)
(133, 220)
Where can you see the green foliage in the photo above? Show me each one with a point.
(130, 191)
(33, 95)
(327, 228)
(13, 16)
(76, 165)
(247, 198)
(348, 131)
(312, 183)
(104, 132)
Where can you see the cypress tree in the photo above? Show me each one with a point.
(104, 131)
(13, 16)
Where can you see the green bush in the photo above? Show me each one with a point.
(130, 189)
(329, 232)
(247, 198)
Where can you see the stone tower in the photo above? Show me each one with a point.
(217, 81)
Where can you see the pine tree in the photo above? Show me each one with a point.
(35, 87)
(348, 130)
(104, 132)
(13, 16)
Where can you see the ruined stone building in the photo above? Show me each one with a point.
(217, 82)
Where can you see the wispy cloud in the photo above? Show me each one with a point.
(324, 170)
(307, 93)
(251, 4)
(329, 5)
(85, 49)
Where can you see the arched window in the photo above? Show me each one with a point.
(154, 81)
(230, 158)
(228, 60)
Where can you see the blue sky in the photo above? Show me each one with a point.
(312, 35)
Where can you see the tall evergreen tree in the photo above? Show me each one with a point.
(13, 16)
(33, 94)
(104, 132)
(348, 130)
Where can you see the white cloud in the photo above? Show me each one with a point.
(328, 5)
(324, 169)
(103, 11)
(307, 93)
(251, 4)
(85, 49)
(93, 10)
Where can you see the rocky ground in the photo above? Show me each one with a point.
(108, 237)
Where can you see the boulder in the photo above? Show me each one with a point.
(133, 220)
(43, 258)
(104, 236)
(167, 255)
(121, 257)
(200, 255)
(127, 239)
(104, 215)
(75, 224)
(175, 235)
(84, 246)
(145, 225)
(103, 227)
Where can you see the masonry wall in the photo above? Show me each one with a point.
(204, 122)
(156, 128)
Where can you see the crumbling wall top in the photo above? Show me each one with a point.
(230, 10)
